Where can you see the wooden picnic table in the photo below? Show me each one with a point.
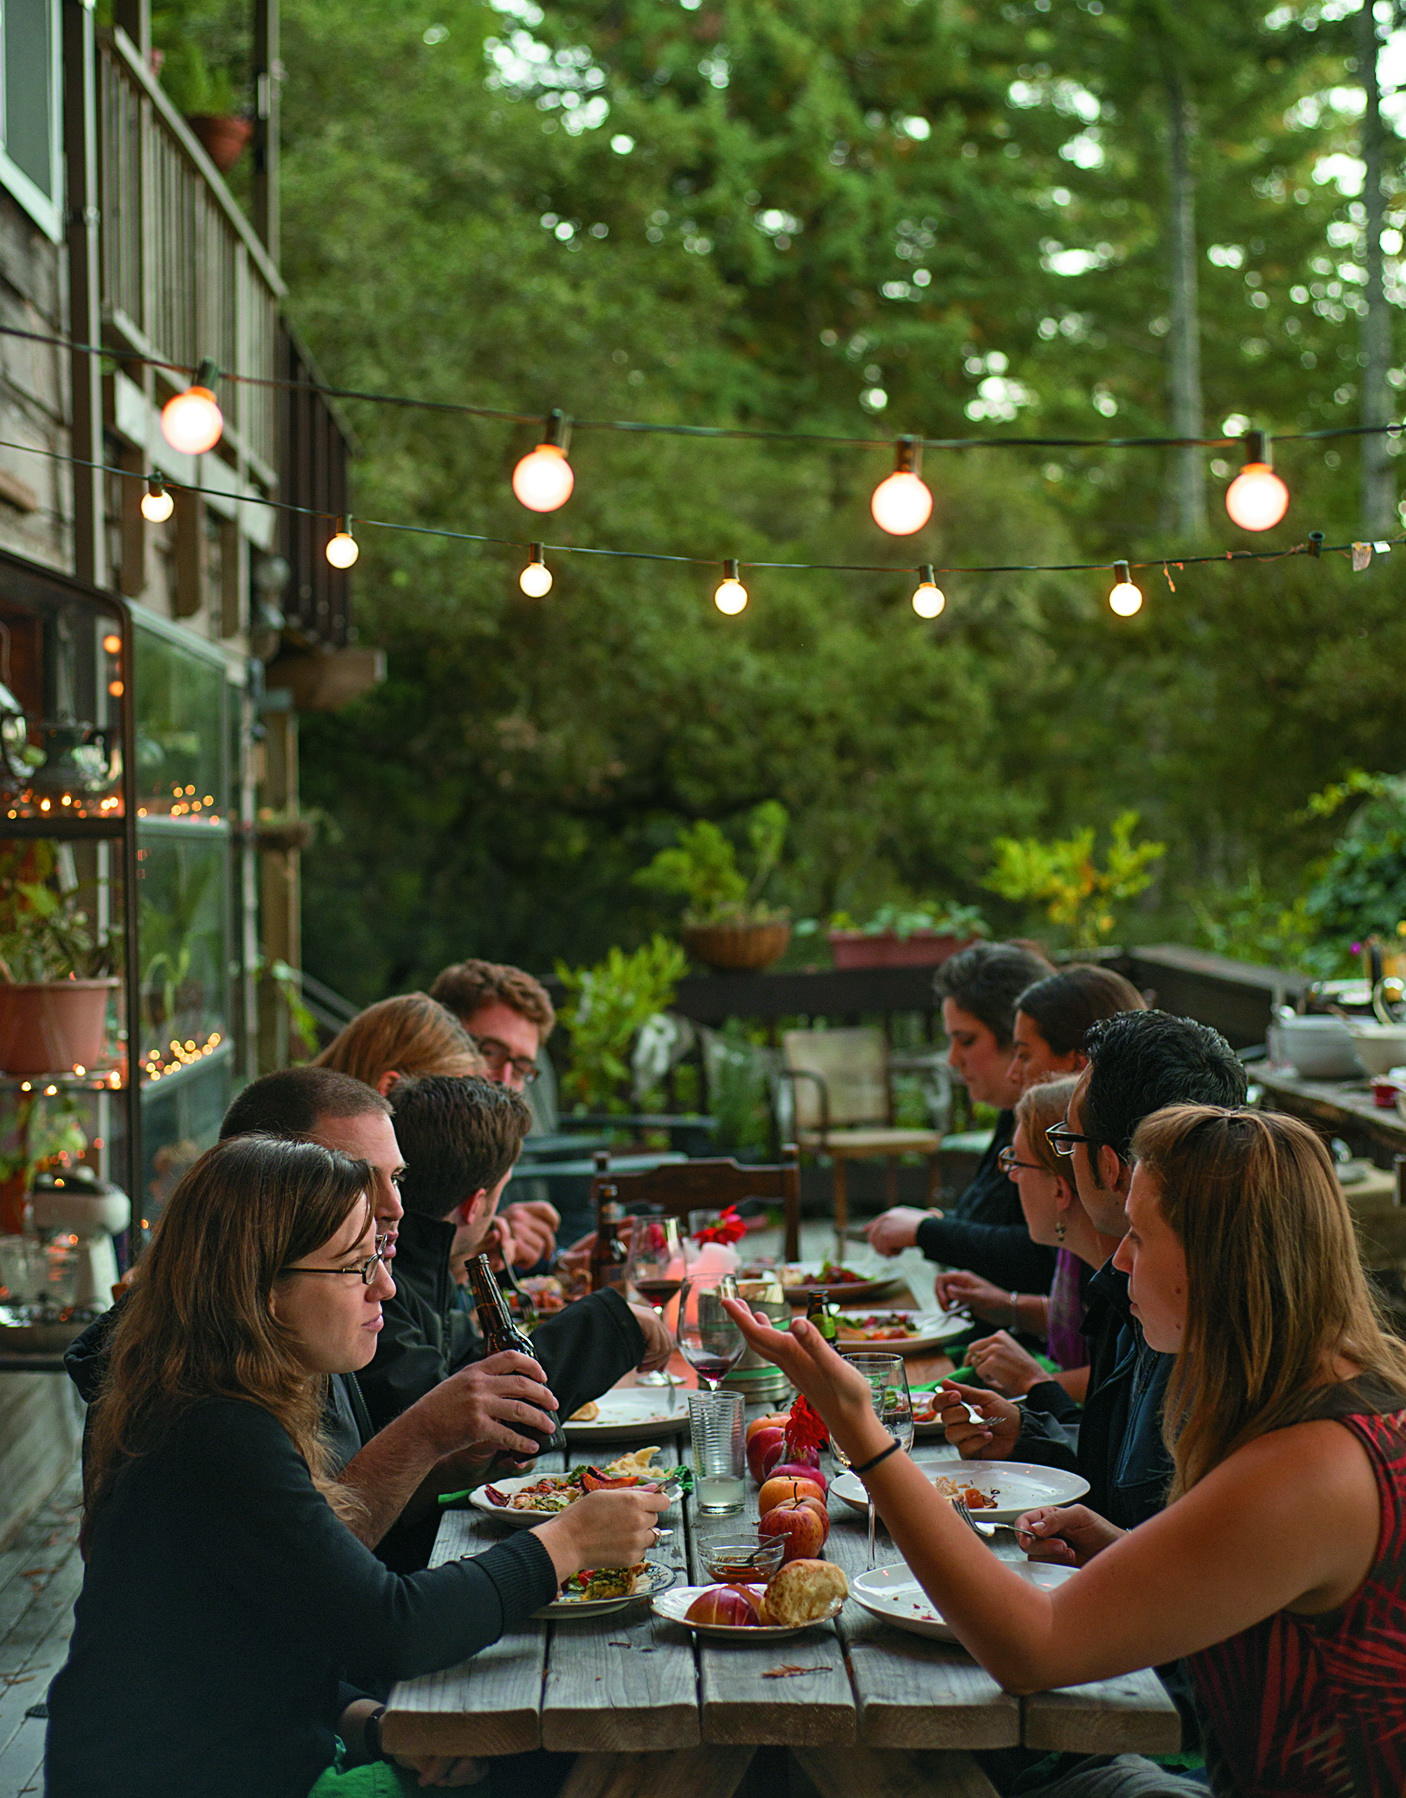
(649, 1707)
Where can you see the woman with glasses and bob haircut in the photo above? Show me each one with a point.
(225, 1599)
(1278, 1569)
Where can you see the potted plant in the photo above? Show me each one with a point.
(900, 936)
(607, 1007)
(56, 969)
(726, 925)
(208, 99)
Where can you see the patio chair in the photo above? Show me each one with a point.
(842, 1093)
(714, 1183)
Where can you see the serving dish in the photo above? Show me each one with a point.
(674, 1604)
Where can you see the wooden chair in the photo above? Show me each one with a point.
(842, 1092)
(684, 1186)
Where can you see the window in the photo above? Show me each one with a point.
(30, 119)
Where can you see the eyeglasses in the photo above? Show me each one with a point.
(499, 1056)
(1007, 1163)
(366, 1269)
(1062, 1139)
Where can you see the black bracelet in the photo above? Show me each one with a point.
(371, 1735)
(874, 1460)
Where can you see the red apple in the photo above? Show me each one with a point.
(801, 1525)
(802, 1470)
(775, 1420)
(778, 1488)
(773, 1439)
(733, 1605)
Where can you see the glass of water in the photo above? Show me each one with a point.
(887, 1377)
(715, 1427)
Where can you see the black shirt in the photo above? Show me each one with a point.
(984, 1230)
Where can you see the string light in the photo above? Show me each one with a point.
(156, 503)
(1125, 599)
(902, 503)
(543, 479)
(192, 421)
(536, 578)
(1256, 499)
(730, 596)
(342, 548)
(928, 598)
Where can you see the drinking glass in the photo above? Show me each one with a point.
(715, 1432)
(709, 1340)
(656, 1271)
(893, 1406)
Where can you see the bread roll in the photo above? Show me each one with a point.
(588, 1413)
(804, 1591)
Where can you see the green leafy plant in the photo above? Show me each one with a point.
(1250, 922)
(702, 869)
(1065, 878)
(45, 934)
(606, 1007)
(1361, 888)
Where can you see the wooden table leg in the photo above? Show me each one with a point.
(677, 1773)
(894, 1773)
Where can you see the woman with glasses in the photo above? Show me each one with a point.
(225, 1595)
(1278, 1568)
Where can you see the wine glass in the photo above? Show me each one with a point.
(887, 1377)
(709, 1340)
(656, 1271)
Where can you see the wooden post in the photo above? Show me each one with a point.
(268, 75)
(80, 127)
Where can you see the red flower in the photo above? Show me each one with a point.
(805, 1428)
(729, 1228)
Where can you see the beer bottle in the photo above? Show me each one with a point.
(820, 1314)
(609, 1257)
(499, 1332)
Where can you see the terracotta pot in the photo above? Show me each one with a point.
(734, 947)
(920, 949)
(224, 138)
(53, 1026)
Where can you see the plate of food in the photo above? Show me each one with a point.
(995, 1491)
(901, 1332)
(629, 1412)
(527, 1498)
(802, 1594)
(893, 1594)
(831, 1281)
(596, 1590)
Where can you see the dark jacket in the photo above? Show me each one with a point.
(984, 1229)
(584, 1349)
(220, 1599)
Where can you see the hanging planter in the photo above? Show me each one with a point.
(737, 947)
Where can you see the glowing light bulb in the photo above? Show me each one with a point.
(342, 548)
(536, 578)
(543, 479)
(730, 596)
(156, 503)
(902, 503)
(192, 421)
(1125, 599)
(928, 598)
(1256, 499)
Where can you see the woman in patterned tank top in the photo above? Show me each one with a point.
(1278, 1568)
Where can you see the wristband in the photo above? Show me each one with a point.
(874, 1460)
(371, 1735)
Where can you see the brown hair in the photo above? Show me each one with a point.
(1064, 1004)
(1275, 1286)
(1039, 1106)
(411, 1034)
(468, 985)
(290, 1102)
(457, 1136)
(200, 1323)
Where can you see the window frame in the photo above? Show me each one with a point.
(47, 211)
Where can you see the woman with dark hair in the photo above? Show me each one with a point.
(225, 1596)
(982, 1229)
(1278, 1569)
(1053, 1015)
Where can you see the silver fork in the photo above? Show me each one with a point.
(984, 1530)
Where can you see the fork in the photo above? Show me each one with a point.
(984, 1530)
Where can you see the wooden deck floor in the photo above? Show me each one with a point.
(40, 1574)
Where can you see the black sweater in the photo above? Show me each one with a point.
(221, 1601)
(984, 1228)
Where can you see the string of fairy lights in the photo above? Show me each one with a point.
(901, 504)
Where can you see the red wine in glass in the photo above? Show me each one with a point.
(712, 1369)
(657, 1292)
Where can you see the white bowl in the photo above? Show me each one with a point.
(1320, 1048)
(1380, 1047)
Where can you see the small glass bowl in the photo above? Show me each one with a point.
(749, 1563)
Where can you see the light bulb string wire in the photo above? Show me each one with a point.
(1312, 547)
(645, 427)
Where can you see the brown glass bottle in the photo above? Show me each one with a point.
(609, 1257)
(499, 1332)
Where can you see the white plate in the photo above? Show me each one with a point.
(893, 1594)
(799, 1282)
(673, 1605)
(633, 1412)
(653, 1580)
(933, 1327)
(480, 1501)
(1016, 1486)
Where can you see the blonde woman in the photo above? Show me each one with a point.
(1279, 1568)
(410, 1034)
